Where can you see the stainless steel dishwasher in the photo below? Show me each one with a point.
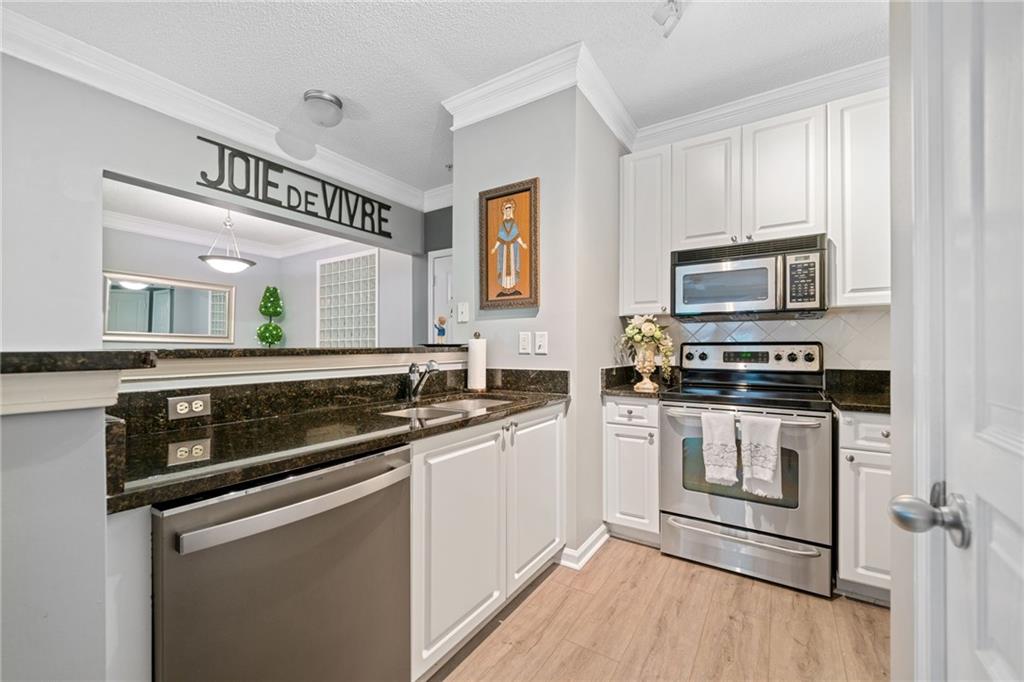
(302, 578)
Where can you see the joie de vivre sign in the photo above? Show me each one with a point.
(246, 175)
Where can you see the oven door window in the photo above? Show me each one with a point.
(694, 480)
(749, 285)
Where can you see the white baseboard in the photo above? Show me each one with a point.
(578, 558)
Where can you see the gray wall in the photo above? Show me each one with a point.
(148, 255)
(58, 138)
(54, 539)
(437, 229)
(53, 165)
(561, 140)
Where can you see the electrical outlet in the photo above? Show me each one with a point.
(463, 312)
(188, 451)
(187, 406)
(541, 346)
(525, 342)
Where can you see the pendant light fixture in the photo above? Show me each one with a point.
(231, 260)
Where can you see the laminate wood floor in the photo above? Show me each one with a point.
(635, 614)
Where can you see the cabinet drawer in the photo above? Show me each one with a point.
(865, 431)
(631, 411)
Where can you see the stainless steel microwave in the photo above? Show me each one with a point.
(784, 278)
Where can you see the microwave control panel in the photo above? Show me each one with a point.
(803, 280)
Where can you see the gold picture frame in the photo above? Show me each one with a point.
(509, 249)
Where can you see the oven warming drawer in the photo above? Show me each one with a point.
(796, 564)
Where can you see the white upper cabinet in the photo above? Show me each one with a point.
(858, 191)
(784, 176)
(645, 210)
(706, 191)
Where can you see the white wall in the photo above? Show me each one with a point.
(597, 295)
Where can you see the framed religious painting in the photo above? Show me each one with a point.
(509, 246)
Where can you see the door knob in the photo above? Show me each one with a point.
(947, 511)
(734, 238)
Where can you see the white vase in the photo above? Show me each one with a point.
(644, 364)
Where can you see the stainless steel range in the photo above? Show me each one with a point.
(785, 539)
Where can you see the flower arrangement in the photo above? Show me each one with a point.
(643, 338)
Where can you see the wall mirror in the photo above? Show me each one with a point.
(147, 308)
(334, 292)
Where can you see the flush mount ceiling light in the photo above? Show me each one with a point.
(133, 286)
(324, 108)
(231, 260)
(668, 15)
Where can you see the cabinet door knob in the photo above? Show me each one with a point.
(849, 458)
(885, 433)
(734, 239)
(650, 438)
(629, 412)
(750, 237)
(664, 308)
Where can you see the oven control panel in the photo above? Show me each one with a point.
(754, 357)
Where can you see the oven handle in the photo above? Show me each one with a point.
(810, 553)
(800, 425)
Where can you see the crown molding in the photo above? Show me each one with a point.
(813, 91)
(52, 50)
(124, 222)
(439, 197)
(566, 68)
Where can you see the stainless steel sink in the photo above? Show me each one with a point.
(426, 415)
(471, 404)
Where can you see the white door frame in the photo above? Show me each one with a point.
(431, 313)
(918, 628)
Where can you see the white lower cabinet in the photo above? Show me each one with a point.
(487, 515)
(631, 476)
(865, 488)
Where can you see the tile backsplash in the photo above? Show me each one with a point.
(851, 338)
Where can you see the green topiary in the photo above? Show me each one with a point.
(269, 333)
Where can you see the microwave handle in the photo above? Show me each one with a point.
(781, 285)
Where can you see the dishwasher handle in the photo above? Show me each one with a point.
(204, 538)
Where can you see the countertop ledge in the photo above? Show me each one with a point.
(26, 362)
(396, 432)
(626, 391)
(861, 402)
(216, 353)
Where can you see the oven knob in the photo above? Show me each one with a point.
(808, 357)
(689, 356)
(792, 357)
(778, 357)
(702, 357)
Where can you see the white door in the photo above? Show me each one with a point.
(535, 495)
(959, 393)
(784, 176)
(645, 211)
(458, 540)
(865, 487)
(858, 192)
(128, 311)
(631, 476)
(440, 302)
(706, 191)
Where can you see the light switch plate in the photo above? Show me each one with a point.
(541, 343)
(187, 406)
(188, 451)
(525, 342)
(463, 312)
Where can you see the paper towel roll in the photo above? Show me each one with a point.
(477, 374)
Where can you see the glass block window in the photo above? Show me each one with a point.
(347, 310)
(218, 313)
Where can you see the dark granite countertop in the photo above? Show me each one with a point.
(626, 391)
(208, 353)
(860, 402)
(75, 361)
(247, 450)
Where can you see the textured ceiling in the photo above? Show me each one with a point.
(393, 63)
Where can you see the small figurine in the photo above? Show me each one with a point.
(439, 327)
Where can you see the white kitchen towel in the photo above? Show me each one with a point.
(759, 452)
(719, 447)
